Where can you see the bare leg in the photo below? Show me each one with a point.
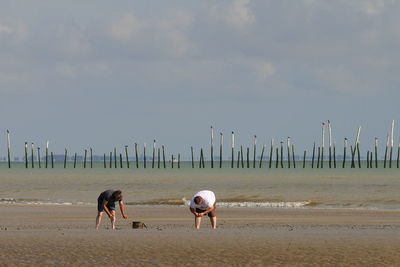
(98, 219)
(197, 222)
(113, 219)
(213, 221)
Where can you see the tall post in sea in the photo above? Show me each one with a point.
(313, 157)
(248, 157)
(179, 160)
(376, 152)
(163, 155)
(270, 153)
(353, 154)
(38, 151)
(26, 155)
(65, 158)
(172, 161)
(32, 156)
(221, 142)
(323, 145)
(144, 155)
(136, 156)
(75, 160)
(304, 159)
(115, 157)
(8, 149)
(262, 155)
(192, 153)
(47, 153)
(154, 154)
(111, 160)
(357, 146)
(281, 154)
(91, 158)
(254, 151)
(330, 143)
(127, 156)
(241, 155)
(84, 159)
(293, 157)
(52, 160)
(238, 160)
(104, 161)
(398, 155)
(158, 158)
(288, 152)
(318, 157)
(358, 155)
(368, 159)
(277, 158)
(212, 147)
(344, 153)
(386, 150)
(334, 155)
(233, 148)
(391, 145)
(120, 161)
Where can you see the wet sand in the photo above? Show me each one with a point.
(65, 236)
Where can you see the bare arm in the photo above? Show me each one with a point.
(104, 204)
(122, 208)
(192, 210)
(207, 210)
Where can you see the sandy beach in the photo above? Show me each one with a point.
(65, 235)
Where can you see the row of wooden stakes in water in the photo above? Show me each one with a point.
(317, 159)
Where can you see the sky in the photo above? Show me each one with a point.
(105, 74)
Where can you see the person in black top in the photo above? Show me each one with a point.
(106, 203)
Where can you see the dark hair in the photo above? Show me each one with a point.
(197, 199)
(117, 195)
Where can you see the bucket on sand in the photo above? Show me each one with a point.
(139, 225)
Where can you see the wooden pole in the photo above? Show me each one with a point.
(104, 161)
(84, 159)
(32, 157)
(254, 151)
(91, 158)
(293, 156)
(248, 157)
(52, 160)
(75, 160)
(163, 153)
(358, 155)
(233, 148)
(8, 149)
(376, 152)
(221, 142)
(288, 152)
(120, 160)
(154, 154)
(281, 154)
(201, 158)
(65, 158)
(304, 159)
(137, 156)
(238, 160)
(277, 158)
(115, 157)
(158, 158)
(241, 155)
(47, 153)
(353, 154)
(212, 147)
(391, 144)
(201, 153)
(313, 156)
(368, 159)
(110, 160)
(127, 156)
(323, 145)
(330, 143)
(386, 151)
(270, 153)
(38, 150)
(344, 153)
(334, 155)
(356, 145)
(26, 155)
(144, 155)
(262, 155)
(398, 155)
(191, 150)
(318, 158)
(179, 160)
(172, 161)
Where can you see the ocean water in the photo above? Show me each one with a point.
(248, 187)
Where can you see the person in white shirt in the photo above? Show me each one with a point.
(203, 203)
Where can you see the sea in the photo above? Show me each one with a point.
(264, 188)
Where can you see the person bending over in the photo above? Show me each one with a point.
(203, 203)
(106, 203)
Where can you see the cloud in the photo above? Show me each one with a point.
(237, 14)
(14, 33)
(125, 28)
(373, 7)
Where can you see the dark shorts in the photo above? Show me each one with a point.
(210, 214)
(110, 205)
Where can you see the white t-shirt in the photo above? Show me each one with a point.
(209, 200)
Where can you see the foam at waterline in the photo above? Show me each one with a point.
(248, 204)
(40, 202)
